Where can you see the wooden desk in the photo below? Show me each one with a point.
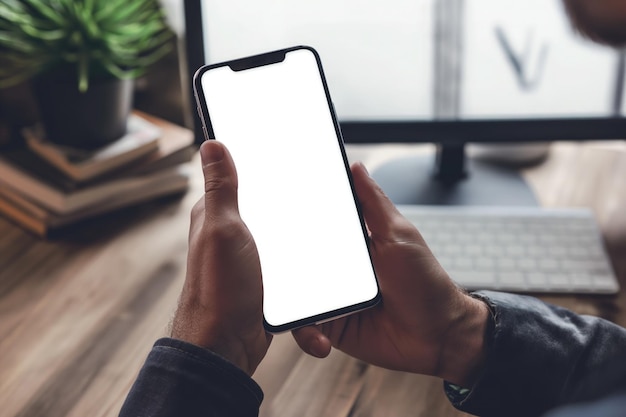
(78, 315)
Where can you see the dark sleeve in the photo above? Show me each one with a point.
(610, 406)
(542, 356)
(183, 380)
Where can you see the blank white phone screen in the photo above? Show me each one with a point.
(294, 192)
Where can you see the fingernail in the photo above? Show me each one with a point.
(317, 348)
(211, 151)
(365, 169)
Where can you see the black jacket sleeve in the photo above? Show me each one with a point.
(183, 380)
(542, 356)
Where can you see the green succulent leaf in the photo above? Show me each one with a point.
(44, 10)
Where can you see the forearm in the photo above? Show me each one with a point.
(540, 356)
(179, 379)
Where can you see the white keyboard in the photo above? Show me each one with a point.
(521, 249)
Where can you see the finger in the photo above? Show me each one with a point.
(378, 210)
(312, 341)
(220, 177)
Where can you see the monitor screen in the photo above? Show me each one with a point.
(429, 60)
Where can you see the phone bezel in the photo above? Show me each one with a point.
(270, 58)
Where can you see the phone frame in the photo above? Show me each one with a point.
(269, 58)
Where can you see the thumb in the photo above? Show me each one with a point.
(220, 177)
(380, 213)
(312, 341)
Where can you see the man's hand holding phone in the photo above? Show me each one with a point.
(221, 305)
(425, 324)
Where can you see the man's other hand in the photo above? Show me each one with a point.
(424, 323)
(221, 305)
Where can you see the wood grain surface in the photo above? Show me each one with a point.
(78, 314)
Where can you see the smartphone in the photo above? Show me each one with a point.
(274, 113)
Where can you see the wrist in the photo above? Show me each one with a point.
(463, 352)
(187, 329)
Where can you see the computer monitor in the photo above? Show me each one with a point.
(450, 72)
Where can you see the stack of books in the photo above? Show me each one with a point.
(45, 187)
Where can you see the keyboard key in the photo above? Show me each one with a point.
(580, 280)
(536, 250)
(475, 279)
(548, 265)
(557, 251)
(515, 279)
(494, 250)
(463, 263)
(452, 249)
(526, 264)
(506, 264)
(515, 250)
(484, 263)
(473, 249)
(559, 280)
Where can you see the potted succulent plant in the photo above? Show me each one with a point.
(81, 56)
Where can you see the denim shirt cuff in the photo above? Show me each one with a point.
(528, 358)
(179, 378)
(194, 355)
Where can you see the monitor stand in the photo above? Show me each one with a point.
(452, 180)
